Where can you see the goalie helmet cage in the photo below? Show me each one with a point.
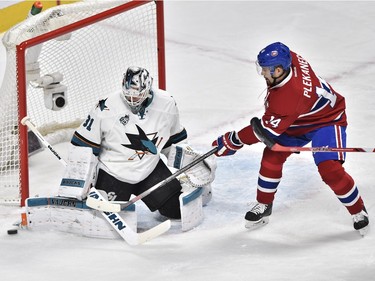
(90, 44)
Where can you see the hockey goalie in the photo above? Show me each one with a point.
(130, 141)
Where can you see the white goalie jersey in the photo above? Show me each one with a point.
(128, 145)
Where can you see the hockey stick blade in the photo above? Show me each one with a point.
(104, 205)
(114, 206)
(154, 232)
(123, 229)
(263, 136)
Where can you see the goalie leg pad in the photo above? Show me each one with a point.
(79, 173)
(191, 209)
(73, 216)
(206, 194)
(188, 186)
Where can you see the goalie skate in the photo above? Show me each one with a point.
(258, 215)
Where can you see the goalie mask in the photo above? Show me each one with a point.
(136, 87)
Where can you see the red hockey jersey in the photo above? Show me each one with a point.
(302, 102)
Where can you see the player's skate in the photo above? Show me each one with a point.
(258, 215)
(361, 221)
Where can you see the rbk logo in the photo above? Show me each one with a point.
(142, 144)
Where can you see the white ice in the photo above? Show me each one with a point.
(210, 49)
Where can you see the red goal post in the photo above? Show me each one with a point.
(90, 45)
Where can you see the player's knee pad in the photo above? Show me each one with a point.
(275, 157)
(331, 171)
(272, 163)
(335, 176)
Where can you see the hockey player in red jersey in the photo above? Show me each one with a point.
(300, 107)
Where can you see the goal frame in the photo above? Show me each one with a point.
(21, 71)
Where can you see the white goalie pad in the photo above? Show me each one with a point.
(199, 175)
(191, 209)
(79, 173)
(206, 194)
(73, 216)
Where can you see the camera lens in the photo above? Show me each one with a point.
(60, 101)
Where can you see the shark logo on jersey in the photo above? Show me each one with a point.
(142, 144)
(101, 105)
(125, 119)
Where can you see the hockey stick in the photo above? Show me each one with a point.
(262, 135)
(27, 122)
(114, 219)
(122, 228)
(117, 206)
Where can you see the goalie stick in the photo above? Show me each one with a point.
(122, 228)
(113, 206)
(263, 136)
(114, 219)
(27, 122)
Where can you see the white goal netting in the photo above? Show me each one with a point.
(90, 62)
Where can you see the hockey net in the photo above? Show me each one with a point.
(90, 44)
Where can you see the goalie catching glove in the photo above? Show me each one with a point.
(199, 175)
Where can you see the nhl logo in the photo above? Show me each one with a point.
(124, 120)
(274, 53)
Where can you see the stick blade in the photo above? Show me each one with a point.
(102, 205)
(96, 201)
(154, 232)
